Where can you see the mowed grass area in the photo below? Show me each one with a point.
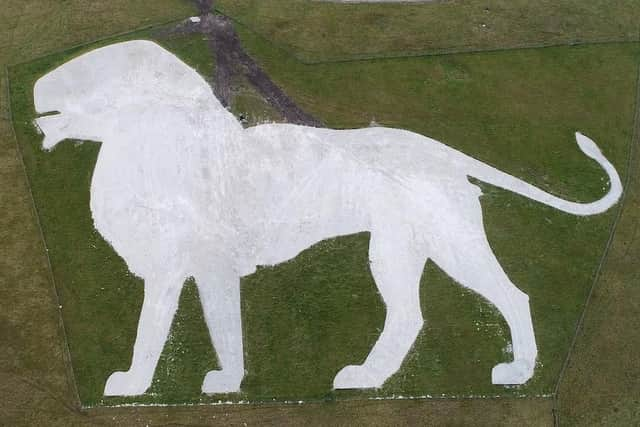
(307, 318)
(317, 31)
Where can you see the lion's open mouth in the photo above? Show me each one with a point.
(49, 113)
(54, 125)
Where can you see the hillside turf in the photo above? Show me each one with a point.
(593, 90)
(307, 318)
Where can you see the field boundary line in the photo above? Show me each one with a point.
(631, 172)
(315, 401)
(66, 353)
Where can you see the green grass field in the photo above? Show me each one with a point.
(307, 318)
(550, 94)
(330, 31)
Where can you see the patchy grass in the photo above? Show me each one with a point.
(601, 385)
(192, 49)
(307, 318)
(30, 30)
(187, 355)
(319, 31)
(250, 106)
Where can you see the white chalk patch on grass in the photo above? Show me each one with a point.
(180, 189)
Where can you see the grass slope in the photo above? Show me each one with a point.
(34, 28)
(298, 316)
(602, 383)
(319, 31)
(33, 386)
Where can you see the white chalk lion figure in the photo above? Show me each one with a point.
(181, 190)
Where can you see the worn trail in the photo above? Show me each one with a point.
(232, 60)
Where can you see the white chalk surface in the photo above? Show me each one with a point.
(180, 189)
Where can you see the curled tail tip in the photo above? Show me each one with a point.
(587, 146)
(590, 148)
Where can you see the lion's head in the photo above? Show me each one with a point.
(89, 97)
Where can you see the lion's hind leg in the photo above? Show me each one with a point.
(396, 267)
(467, 257)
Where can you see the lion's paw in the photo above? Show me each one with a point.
(357, 376)
(124, 383)
(517, 372)
(223, 381)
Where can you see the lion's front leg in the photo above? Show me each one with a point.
(161, 296)
(220, 297)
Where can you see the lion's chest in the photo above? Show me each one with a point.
(143, 203)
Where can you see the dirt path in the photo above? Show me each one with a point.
(232, 60)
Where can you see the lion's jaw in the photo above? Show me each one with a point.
(69, 108)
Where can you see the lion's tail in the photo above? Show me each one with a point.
(500, 179)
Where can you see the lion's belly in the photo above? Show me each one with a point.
(285, 241)
(329, 204)
(339, 205)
